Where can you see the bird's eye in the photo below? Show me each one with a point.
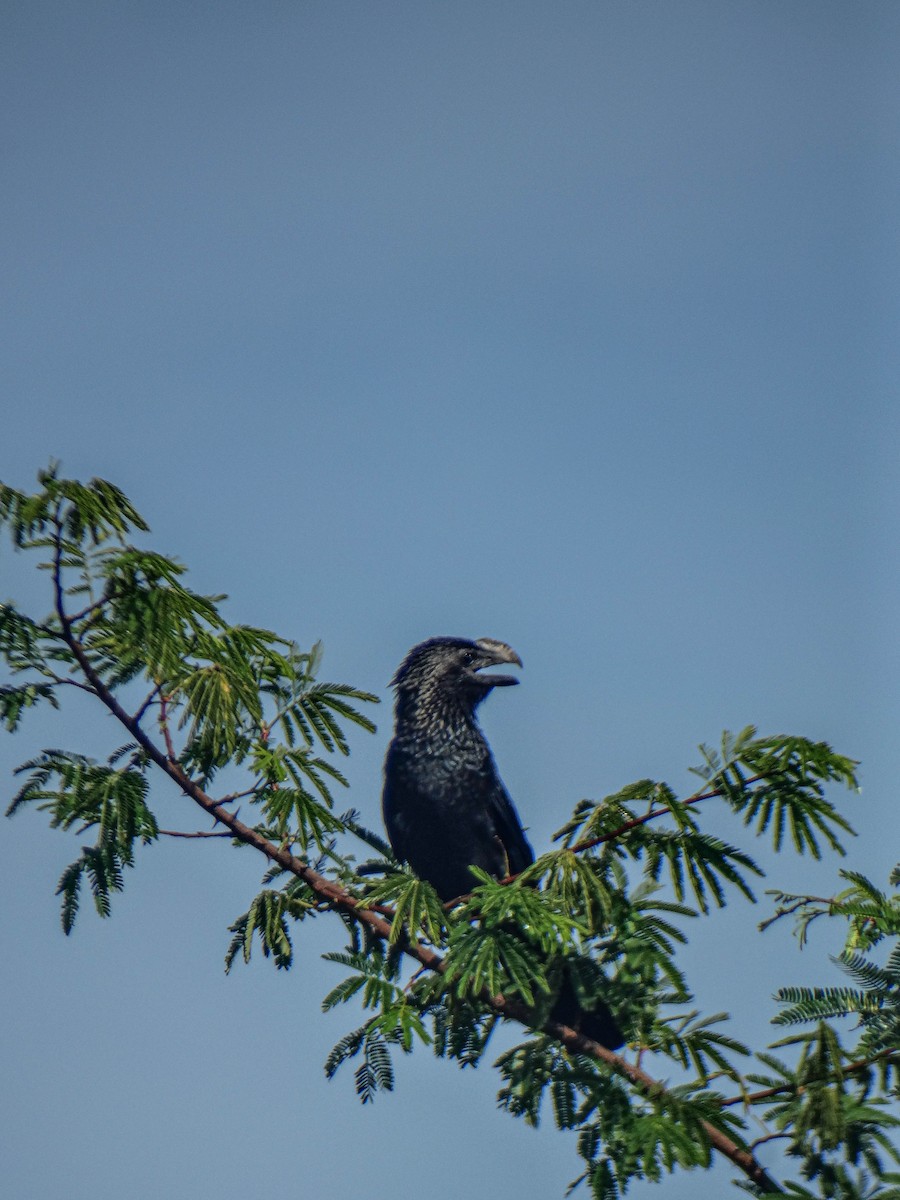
(469, 657)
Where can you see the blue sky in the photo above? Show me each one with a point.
(572, 325)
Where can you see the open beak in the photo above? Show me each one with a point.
(495, 653)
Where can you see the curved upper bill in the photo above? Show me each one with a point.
(494, 653)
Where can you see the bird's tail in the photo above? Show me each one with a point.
(594, 1021)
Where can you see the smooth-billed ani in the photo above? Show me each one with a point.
(445, 806)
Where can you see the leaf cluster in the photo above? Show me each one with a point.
(872, 918)
(207, 694)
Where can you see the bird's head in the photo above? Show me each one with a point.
(453, 667)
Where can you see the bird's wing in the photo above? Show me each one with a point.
(519, 853)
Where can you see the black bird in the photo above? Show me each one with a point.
(445, 806)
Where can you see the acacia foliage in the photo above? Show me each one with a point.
(201, 699)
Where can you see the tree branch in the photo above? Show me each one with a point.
(769, 1137)
(59, 679)
(177, 833)
(97, 604)
(232, 796)
(577, 1043)
(138, 716)
(164, 727)
(589, 843)
(781, 1089)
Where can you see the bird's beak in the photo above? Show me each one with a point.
(498, 652)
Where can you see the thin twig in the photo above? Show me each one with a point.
(589, 843)
(781, 1089)
(770, 1137)
(164, 727)
(798, 903)
(232, 796)
(151, 696)
(70, 682)
(79, 616)
(176, 833)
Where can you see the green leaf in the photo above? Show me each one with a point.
(15, 700)
(268, 917)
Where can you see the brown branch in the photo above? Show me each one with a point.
(147, 702)
(70, 682)
(178, 834)
(577, 1043)
(769, 1137)
(339, 899)
(232, 796)
(164, 728)
(798, 903)
(589, 843)
(781, 1089)
(79, 616)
